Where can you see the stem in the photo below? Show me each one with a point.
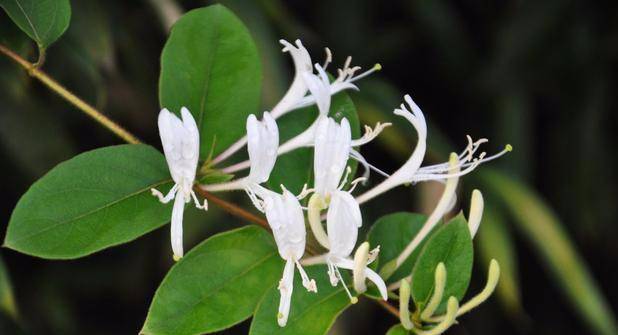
(70, 97)
(388, 307)
(231, 208)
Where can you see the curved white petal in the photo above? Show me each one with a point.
(286, 286)
(406, 172)
(332, 149)
(263, 141)
(342, 222)
(302, 64)
(319, 86)
(180, 140)
(370, 274)
(176, 226)
(285, 217)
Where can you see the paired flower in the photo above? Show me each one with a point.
(333, 144)
(333, 147)
(181, 145)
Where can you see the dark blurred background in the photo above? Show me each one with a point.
(540, 75)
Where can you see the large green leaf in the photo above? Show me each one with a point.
(452, 245)
(7, 299)
(216, 285)
(95, 200)
(211, 66)
(310, 313)
(393, 233)
(43, 20)
(538, 222)
(294, 169)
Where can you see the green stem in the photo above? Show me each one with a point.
(33, 71)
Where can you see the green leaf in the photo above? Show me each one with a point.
(397, 330)
(539, 223)
(216, 285)
(95, 200)
(393, 233)
(211, 66)
(7, 300)
(495, 241)
(214, 177)
(43, 20)
(295, 168)
(452, 245)
(310, 313)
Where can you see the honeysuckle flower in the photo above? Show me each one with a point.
(343, 220)
(263, 141)
(412, 172)
(285, 217)
(298, 88)
(181, 143)
(296, 98)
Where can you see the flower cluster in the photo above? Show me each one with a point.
(332, 191)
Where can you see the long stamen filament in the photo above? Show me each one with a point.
(353, 299)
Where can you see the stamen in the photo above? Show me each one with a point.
(348, 170)
(356, 182)
(165, 199)
(438, 291)
(304, 192)
(197, 202)
(309, 284)
(353, 299)
(373, 254)
(331, 274)
(359, 158)
(376, 67)
(370, 133)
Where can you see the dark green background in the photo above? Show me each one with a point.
(537, 74)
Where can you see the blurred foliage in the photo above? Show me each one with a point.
(538, 75)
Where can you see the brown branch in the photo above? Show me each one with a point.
(388, 307)
(231, 208)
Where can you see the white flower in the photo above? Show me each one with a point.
(263, 140)
(302, 65)
(296, 97)
(285, 217)
(342, 221)
(181, 143)
(412, 172)
(332, 149)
